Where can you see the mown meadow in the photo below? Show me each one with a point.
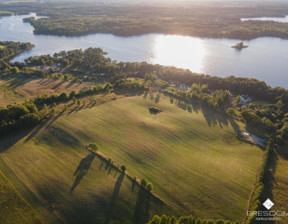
(191, 155)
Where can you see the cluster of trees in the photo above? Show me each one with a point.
(219, 99)
(144, 184)
(45, 60)
(17, 68)
(9, 49)
(18, 116)
(272, 117)
(151, 79)
(186, 220)
(92, 58)
(129, 84)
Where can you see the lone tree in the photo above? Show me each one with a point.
(149, 187)
(74, 99)
(123, 168)
(143, 182)
(94, 146)
(45, 108)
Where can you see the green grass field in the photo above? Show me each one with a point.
(13, 208)
(191, 156)
(280, 185)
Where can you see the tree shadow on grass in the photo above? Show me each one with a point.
(115, 194)
(45, 81)
(209, 116)
(80, 108)
(82, 169)
(54, 119)
(190, 106)
(58, 85)
(234, 125)
(283, 153)
(69, 85)
(73, 110)
(141, 212)
(35, 131)
(133, 185)
(9, 140)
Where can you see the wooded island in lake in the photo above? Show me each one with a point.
(239, 46)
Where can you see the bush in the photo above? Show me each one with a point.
(94, 146)
(143, 182)
(123, 168)
(149, 187)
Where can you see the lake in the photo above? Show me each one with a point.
(265, 59)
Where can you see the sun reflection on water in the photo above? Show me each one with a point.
(179, 51)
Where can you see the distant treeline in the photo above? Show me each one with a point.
(3, 13)
(204, 20)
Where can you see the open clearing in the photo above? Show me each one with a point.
(191, 156)
(16, 89)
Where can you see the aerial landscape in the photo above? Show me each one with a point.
(143, 112)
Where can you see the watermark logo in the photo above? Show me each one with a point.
(268, 215)
(268, 204)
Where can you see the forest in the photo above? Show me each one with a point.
(202, 20)
(9, 49)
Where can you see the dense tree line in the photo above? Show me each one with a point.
(18, 116)
(54, 98)
(186, 220)
(259, 194)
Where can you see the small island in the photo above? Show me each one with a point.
(239, 46)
